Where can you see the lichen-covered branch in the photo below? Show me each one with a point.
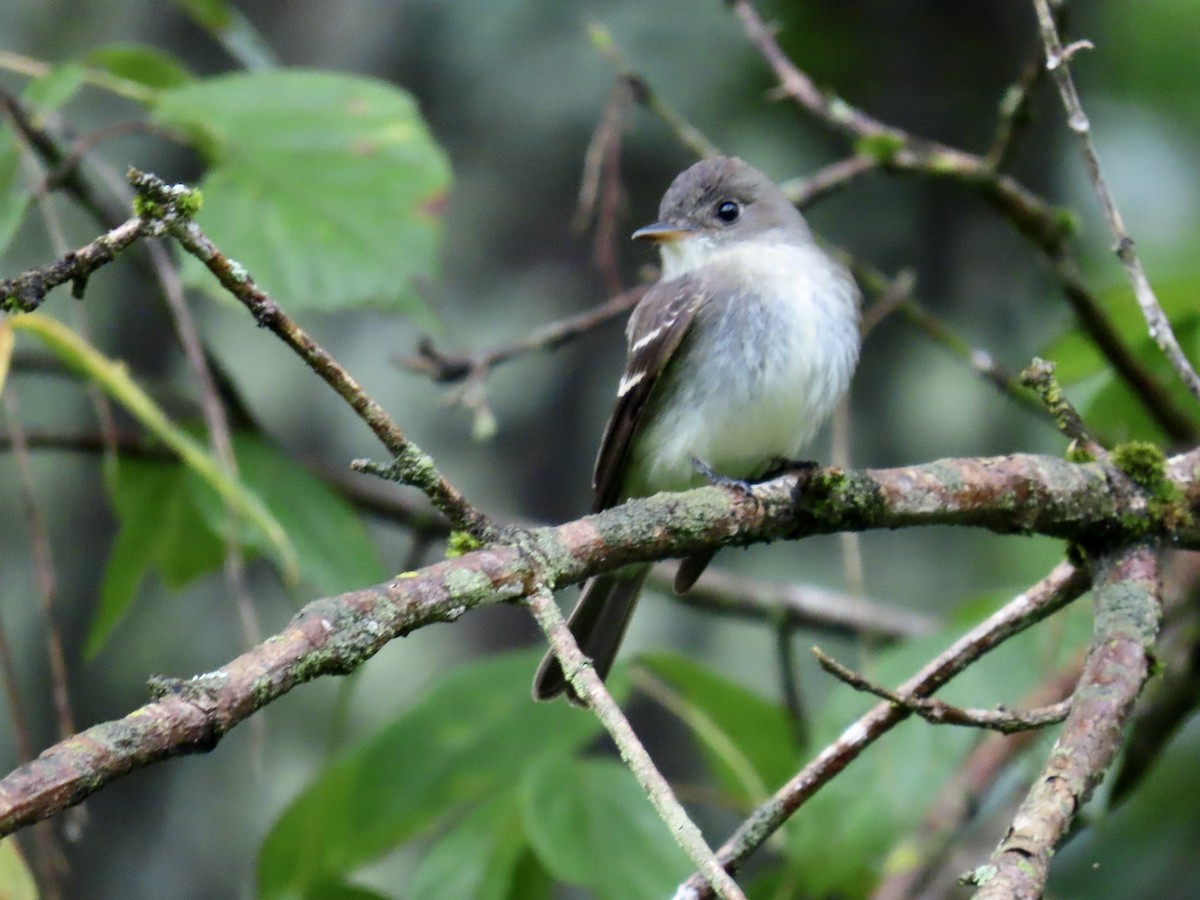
(1127, 611)
(26, 291)
(921, 864)
(1019, 494)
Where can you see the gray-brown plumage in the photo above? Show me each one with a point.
(736, 356)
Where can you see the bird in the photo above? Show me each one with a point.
(736, 356)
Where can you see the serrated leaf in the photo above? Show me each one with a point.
(591, 824)
(147, 66)
(327, 188)
(733, 727)
(471, 734)
(477, 858)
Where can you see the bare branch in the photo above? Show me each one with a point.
(588, 686)
(446, 368)
(937, 712)
(1053, 592)
(688, 134)
(1057, 60)
(923, 857)
(796, 606)
(1127, 613)
(804, 192)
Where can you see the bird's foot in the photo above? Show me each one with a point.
(745, 488)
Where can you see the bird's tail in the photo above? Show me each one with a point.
(598, 623)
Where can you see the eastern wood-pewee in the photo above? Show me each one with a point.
(736, 357)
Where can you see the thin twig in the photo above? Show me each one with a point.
(796, 605)
(804, 192)
(50, 862)
(600, 192)
(789, 685)
(1053, 592)
(43, 564)
(1047, 227)
(1179, 426)
(919, 860)
(172, 207)
(893, 295)
(1057, 63)
(1127, 597)
(588, 686)
(982, 361)
(688, 134)
(937, 712)
(25, 292)
(1014, 106)
(1039, 376)
(444, 368)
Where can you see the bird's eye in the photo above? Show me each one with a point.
(728, 211)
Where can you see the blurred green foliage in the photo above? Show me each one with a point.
(334, 191)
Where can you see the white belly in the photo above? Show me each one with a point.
(757, 377)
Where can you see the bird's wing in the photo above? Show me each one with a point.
(656, 329)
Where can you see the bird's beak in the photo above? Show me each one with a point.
(662, 233)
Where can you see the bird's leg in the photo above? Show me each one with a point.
(716, 479)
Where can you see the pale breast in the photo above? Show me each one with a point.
(761, 369)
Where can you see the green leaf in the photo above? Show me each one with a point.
(211, 14)
(336, 554)
(327, 188)
(477, 859)
(734, 728)
(592, 825)
(530, 880)
(113, 378)
(336, 889)
(16, 881)
(56, 87)
(1075, 355)
(14, 192)
(138, 63)
(161, 529)
(471, 734)
(173, 522)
